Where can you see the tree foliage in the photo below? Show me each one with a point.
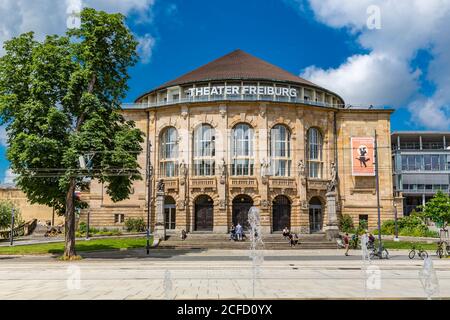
(438, 208)
(60, 99)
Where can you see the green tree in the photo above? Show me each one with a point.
(438, 208)
(60, 99)
(5, 215)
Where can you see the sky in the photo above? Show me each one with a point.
(370, 52)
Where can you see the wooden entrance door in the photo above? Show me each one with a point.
(281, 213)
(204, 214)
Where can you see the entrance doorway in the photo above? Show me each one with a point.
(204, 213)
(315, 215)
(281, 213)
(241, 206)
(169, 213)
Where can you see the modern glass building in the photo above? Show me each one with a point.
(421, 165)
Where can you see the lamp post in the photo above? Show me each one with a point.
(396, 223)
(12, 228)
(87, 224)
(86, 165)
(377, 185)
(149, 193)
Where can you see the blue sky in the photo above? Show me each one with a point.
(402, 64)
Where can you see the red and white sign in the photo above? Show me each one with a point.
(363, 154)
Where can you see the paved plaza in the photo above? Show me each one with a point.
(218, 274)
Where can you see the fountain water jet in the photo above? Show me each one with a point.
(256, 244)
(428, 278)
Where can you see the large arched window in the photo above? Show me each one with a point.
(280, 151)
(242, 156)
(204, 150)
(315, 143)
(168, 162)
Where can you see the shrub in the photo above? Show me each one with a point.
(5, 215)
(413, 226)
(82, 228)
(346, 223)
(135, 225)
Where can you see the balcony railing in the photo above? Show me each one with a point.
(203, 183)
(149, 105)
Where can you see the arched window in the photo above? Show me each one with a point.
(204, 150)
(242, 156)
(315, 142)
(168, 162)
(280, 151)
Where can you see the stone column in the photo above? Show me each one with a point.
(331, 228)
(221, 222)
(160, 228)
(262, 167)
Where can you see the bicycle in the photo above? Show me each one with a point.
(443, 249)
(376, 253)
(421, 252)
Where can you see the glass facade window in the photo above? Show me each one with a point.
(168, 160)
(280, 151)
(425, 187)
(204, 150)
(315, 142)
(242, 156)
(426, 162)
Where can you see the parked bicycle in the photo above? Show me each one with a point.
(443, 249)
(384, 254)
(419, 250)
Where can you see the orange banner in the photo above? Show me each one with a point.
(363, 153)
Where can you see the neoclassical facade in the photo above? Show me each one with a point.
(240, 132)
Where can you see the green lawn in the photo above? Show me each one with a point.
(91, 245)
(406, 245)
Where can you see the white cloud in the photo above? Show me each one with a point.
(384, 75)
(145, 47)
(9, 177)
(50, 16)
(368, 79)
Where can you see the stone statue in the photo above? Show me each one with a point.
(301, 168)
(331, 186)
(160, 185)
(222, 168)
(183, 169)
(264, 167)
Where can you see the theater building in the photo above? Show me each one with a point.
(240, 132)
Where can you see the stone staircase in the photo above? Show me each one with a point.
(199, 240)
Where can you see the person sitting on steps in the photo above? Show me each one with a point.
(285, 232)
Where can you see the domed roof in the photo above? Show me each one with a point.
(237, 65)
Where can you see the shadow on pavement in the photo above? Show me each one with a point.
(139, 253)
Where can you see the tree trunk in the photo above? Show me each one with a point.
(69, 250)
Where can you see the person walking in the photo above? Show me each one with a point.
(346, 244)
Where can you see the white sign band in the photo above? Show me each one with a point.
(246, 90)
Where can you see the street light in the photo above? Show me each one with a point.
(86, 165)
(12, 227)
(396, 223)
(149, 193)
